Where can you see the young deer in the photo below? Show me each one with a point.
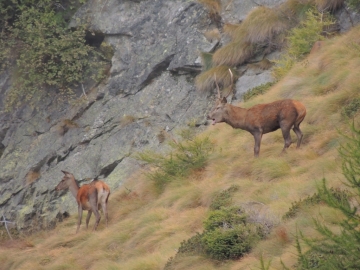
(262, 118)
(89, 197)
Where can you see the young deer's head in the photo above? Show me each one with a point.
(220, 111)
(65, 181)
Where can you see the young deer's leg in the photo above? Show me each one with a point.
(88, 218)
(98, 217)
(80, 217)
(94, 207)
(104, 209)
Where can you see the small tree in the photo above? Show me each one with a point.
(301, 39)
(338, 250)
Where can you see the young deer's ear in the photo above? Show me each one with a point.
(224, 100)
(65, 172)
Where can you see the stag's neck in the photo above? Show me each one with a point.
(74, 188)
(236, 117)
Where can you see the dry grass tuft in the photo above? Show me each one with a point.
(282, 234)
(262, 65)
(233, 30)
(32, 176)
(66, 125)
(234, 53)
(126, 120)
(262, 24)
(267, 169)
(295, 9)
(329, 5)
(212, 35)
(212, 5)
(206, 80)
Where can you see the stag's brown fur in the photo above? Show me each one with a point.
(89, 197)
(263, 118)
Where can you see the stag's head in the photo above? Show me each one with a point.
(65, 181)
(220, 111)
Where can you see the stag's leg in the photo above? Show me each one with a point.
(257, 137)
(287, 137)
(88, 218)
(80, 217)
(299, 135)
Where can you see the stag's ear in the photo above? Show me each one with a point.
(65, 172)
(224, 100)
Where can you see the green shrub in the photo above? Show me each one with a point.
(223, 198)
(314, 200)
(355, 4)
(227, 235)
(206, 59)
(193, 245)
(351, 108)
(224, 244)
(301, 39)
(339, 246)
(185, 156)
(225, 218)
(258, 90)
(48, 55)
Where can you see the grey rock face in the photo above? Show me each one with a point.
(250, 80)
(235, 11)
(150, 89)
(148, 37)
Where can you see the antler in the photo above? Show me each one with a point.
(232, 83)
(217, 87)
(231, 86)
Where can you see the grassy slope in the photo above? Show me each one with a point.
(146, 229)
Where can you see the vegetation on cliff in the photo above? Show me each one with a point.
(45, 53)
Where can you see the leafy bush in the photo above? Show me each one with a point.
(258, 90)
(185, 156)
(225, 218)
(227, 235)
(48, 54)
(193, 245)
(223, 198)
(313, 200)
(224, 244)
(351, 108)
(301, 39)
(206, 59)
(355, 4)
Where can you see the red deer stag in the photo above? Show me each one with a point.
(89, 197)
(262, 118)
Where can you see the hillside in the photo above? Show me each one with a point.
(147, 227)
